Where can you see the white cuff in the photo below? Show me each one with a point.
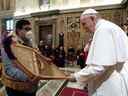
(91, 70)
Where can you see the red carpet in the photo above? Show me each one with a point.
(73, 92)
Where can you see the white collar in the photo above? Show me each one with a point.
(98, 23)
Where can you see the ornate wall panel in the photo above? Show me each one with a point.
(73, 24)
(73, 31)
(118, 16)
(114, 15)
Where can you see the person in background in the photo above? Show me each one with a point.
(59, 55)
(47, 50)
(106, 72)
(71, 55)
(86, 50)
(80, 58)
(41, 46)
(125, 28)
(8, 59)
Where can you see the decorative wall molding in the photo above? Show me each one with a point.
(6, 13)
(73, 23)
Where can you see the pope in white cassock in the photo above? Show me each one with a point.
(107, 63)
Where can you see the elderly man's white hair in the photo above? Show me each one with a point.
(89, 12)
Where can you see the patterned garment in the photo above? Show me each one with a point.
(7, 57)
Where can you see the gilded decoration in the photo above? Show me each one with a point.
(73, 31)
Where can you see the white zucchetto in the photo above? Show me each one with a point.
(89, 11)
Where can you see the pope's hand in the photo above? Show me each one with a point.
(71, 78)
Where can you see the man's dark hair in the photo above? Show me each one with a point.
(21, 23)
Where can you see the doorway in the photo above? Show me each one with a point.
(45, 34)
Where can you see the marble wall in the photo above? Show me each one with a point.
(7, 5)
(74, 34)
(26, 5)
(68, 22)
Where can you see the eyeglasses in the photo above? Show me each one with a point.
(27, 28)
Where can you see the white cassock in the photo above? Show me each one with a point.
(107, 62)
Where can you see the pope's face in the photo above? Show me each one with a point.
(88, 23)
(24, 30)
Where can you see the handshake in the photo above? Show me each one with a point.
(71, 78)
(69, 74)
